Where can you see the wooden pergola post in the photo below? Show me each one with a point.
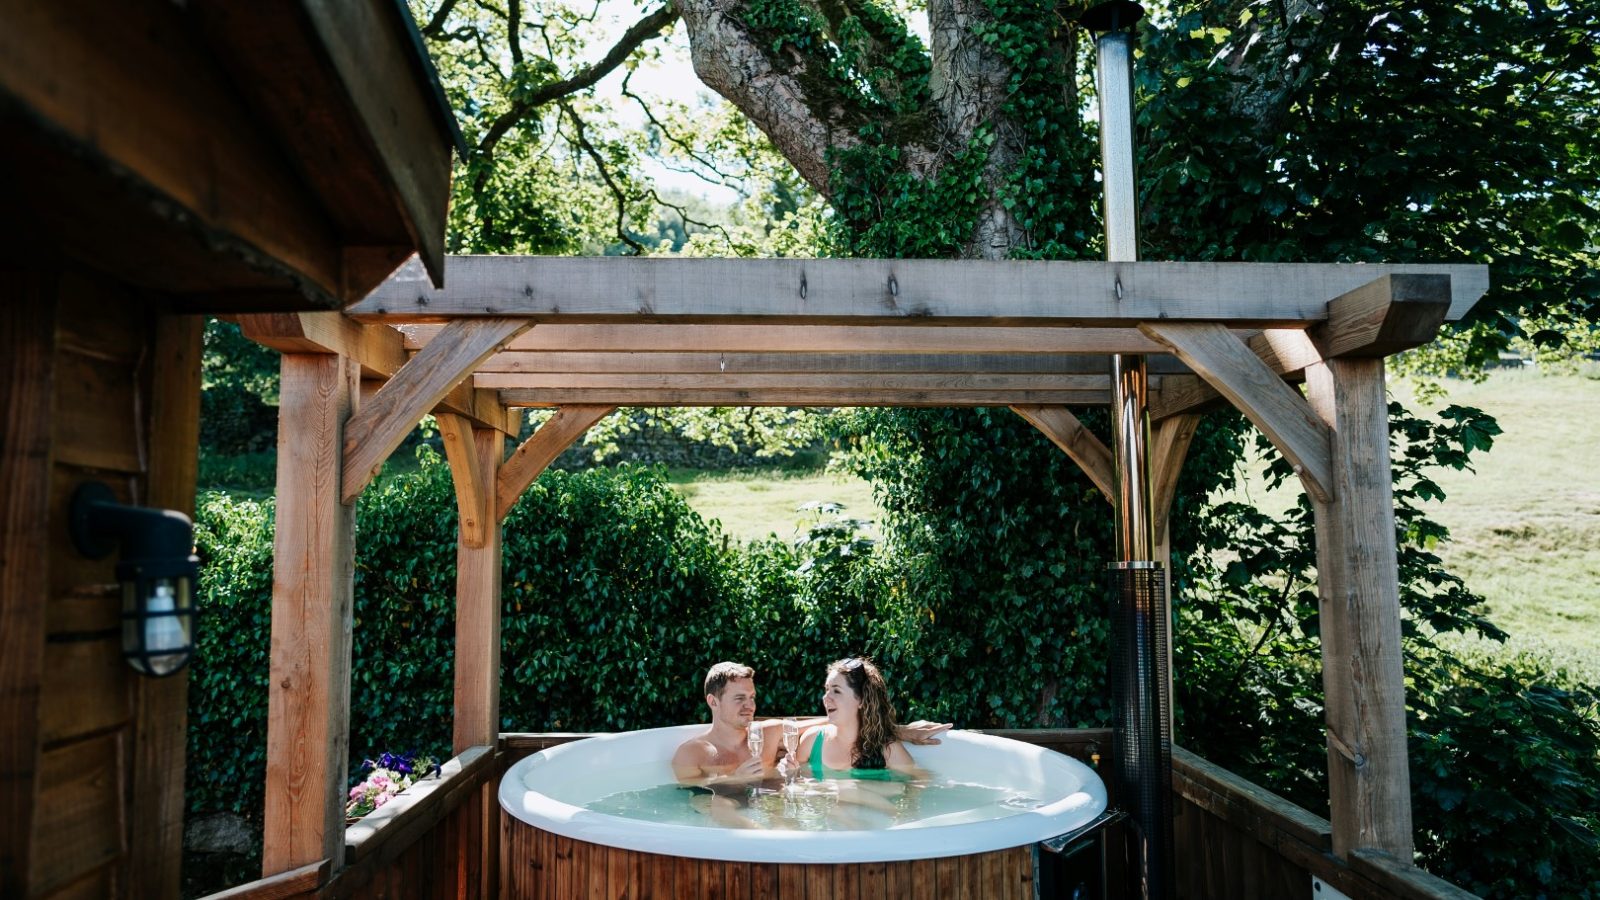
(1358, 582)
(308, 696)
(474, 454)
(477, 662)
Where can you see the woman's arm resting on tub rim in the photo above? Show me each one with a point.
(921, 732)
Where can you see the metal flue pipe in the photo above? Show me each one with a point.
(1130, 421)
(1142, 763)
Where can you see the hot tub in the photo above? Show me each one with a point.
(552, 846)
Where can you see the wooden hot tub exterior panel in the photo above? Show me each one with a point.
(538, 865)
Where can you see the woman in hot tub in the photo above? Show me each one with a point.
(856, 748)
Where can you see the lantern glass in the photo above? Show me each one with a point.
(157, 623)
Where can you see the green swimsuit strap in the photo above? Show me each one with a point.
(822, 771)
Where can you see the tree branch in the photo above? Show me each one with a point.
(683, 146)
(435, 26)
(514, 30)
(683, 214)
(641, 31)
(582, 140)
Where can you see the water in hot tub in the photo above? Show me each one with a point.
(829, 805)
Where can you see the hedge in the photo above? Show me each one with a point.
(617, 596)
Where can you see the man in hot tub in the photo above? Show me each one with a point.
(721, 755)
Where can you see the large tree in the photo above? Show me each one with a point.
(1277, 130)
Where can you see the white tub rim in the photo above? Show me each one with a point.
(1055, 817)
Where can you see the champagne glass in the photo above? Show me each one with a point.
(755, 739)
(791, 744)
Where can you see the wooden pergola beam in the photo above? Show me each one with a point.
(562, 338)
(378, 349)
(881, 381)
(379, 426)
(1385, 316)
(1065, 431)
(738, 364)
(554, 435)
(1249, 384)
(800, 396)
(861, 291)
(1379, 318)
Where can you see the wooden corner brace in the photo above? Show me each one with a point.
(1227, 364)
(467, 473)
(379, 426)
(540, 450)
(1065, 431)
(1169, 446)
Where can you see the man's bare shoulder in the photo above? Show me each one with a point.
(697, 750)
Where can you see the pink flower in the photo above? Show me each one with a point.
(380, 800)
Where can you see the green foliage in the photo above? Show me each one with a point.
(616, 596)
(996, 545)
(883, 210)
(1505, 775)
(227, 753)
(1505, 757)
(239, 392)
(1364, 131)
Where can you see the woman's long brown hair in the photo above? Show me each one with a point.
(877, 713)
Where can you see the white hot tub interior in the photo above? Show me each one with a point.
(550, 790)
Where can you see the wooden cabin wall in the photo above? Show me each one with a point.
(100, 385)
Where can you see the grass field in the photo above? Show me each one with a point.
(754, 504)
(1525, 526)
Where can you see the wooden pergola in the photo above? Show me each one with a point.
(584, 336)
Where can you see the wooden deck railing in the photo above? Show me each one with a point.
(1233, 839)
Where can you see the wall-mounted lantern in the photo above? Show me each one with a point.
(157, 571)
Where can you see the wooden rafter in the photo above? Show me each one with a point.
(800, 396)
(1384, 316)
(882, 381)
(915, 292)
(1249, 384)
(1065, 431)
(540, 450)
(738, 364)
(892, 339)
(379, 426)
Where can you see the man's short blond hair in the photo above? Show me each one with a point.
(724, 672)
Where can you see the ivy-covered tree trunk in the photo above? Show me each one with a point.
(922, 151)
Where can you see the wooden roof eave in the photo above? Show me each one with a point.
(353, 97)
(232, 156)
